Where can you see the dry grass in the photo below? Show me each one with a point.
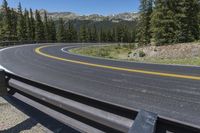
(184, 54)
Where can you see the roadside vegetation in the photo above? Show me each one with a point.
(118, 51)
(167, 22)
(170, 54)
(168, 31)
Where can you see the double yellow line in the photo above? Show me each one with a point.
(38, 51)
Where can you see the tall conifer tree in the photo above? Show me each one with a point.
(144, 30)
(187, 20)
(71, 33)
(6, 27)
(46, 27)
(14, 18)
(21, 25)
(163, 22)
(83, 34)
(28, 24)
(52, 30)
(61, 32)
(39, 27)
(32, 25)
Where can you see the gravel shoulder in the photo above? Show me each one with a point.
(13, 120)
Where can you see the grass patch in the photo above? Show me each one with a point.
(122, 52)
(110, 51)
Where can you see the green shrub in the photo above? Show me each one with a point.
(118, 46)
(131, 46)
(129, 53)
(142, 54)
(125, 46)
(103, 52)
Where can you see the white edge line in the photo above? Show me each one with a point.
(1, 50)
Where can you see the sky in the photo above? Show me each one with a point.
(82, 7)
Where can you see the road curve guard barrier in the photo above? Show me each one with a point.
(86, 114)
(3, 89)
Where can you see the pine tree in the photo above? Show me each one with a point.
(102, 36)
(32, 25)
(133, 36)
(175, 21)
(83, 34)
(126, 34)
(28, 25)
(21, 25)
(61, 33)
(46, 27)
(90, 35)
(120, 33)
(39, 28)
(114, 35)
(13, 25)
(144, 31)
(6, 31)
(199, 18)
(187, 20)
(164, 27)
(109, 36)
(1, 27)
(52, 30)
(193, 18)
(94, 34)
(71, 33)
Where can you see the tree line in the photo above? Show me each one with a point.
(168, 21)
(25, 25)
(29, 25)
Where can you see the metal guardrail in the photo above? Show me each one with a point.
(87, 114)
(12, 43)
(3, 90)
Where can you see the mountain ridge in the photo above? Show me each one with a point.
(126, 16)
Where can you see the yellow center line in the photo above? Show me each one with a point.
(38, 51)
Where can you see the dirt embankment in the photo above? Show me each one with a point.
(177, 51)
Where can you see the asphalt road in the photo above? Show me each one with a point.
(170, 91)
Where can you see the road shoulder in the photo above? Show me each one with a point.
(14, 120)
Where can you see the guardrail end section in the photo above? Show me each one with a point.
(145, 122)
(3, 88)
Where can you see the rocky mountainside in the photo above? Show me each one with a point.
(93, 17)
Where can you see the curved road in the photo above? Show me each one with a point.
(170, 91)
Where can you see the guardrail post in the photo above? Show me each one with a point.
(3, 89)
(145, 122)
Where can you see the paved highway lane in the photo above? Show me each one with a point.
(176, 94)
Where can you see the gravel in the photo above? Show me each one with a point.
(13, 120)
